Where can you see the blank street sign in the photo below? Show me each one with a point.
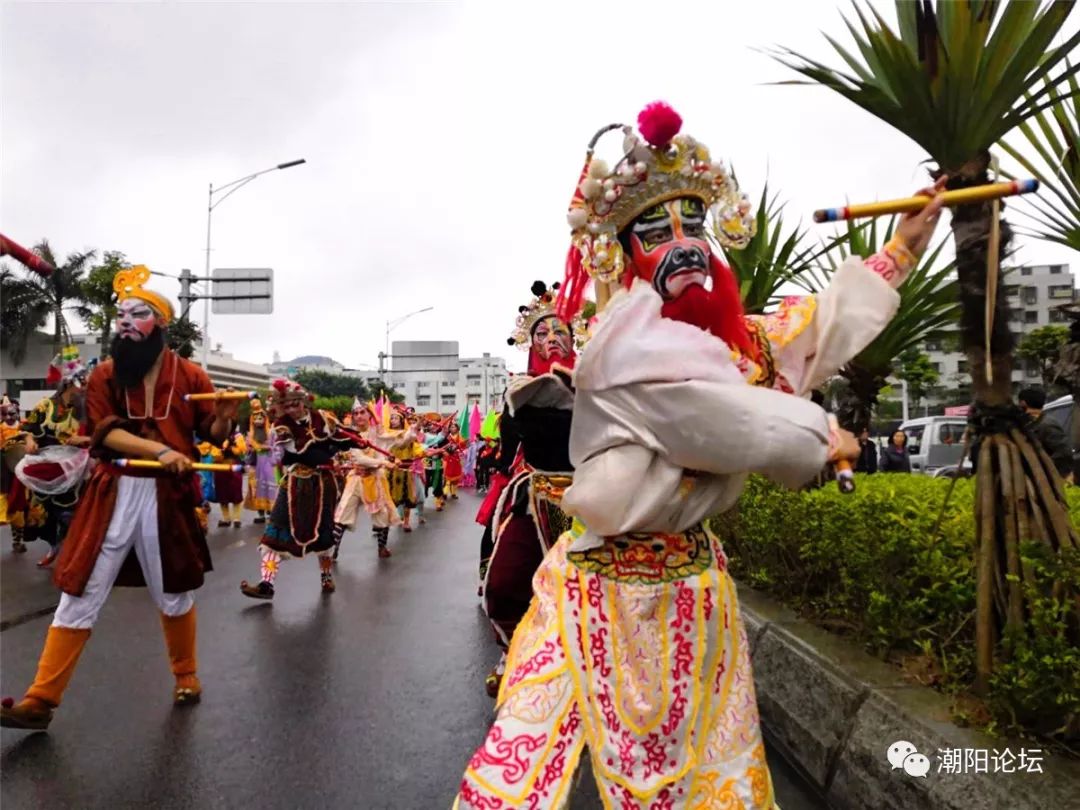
(243, 291)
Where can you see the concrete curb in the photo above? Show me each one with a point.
(832, 711)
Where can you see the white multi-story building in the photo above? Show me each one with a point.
(25, 381)
(1032, 294)
(432, 376)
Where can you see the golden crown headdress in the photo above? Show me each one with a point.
(129, 284)
(658, 165)
(543, 306)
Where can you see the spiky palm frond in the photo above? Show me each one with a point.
(956, 78)
(929, 296)
(1054, 135)
(774, 256)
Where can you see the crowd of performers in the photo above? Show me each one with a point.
(122, 504)
(607, 591)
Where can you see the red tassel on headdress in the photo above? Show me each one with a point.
(572, 291)
(659, 123)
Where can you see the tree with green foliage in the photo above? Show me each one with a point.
(956, 78)
(919, 374)
(1043, 346)
(28, 299)
(97, 290)
(182, 335)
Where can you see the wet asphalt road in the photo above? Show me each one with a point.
(370, 698)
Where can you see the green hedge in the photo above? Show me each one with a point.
(868, 566)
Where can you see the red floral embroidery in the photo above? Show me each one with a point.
(684, 606)
(509, 754)
(596, 598)
(598, 648)
(677, 712)
(664, 800)
(627, 760)
(655, 755)
(541, 658)
(473, 798)
(684, 656)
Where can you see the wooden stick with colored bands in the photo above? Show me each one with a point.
(221, 395)
(991, 191)
(157, 465)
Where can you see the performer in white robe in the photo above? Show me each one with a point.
(633, 644)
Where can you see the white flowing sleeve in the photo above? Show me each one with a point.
(712, 427)
(814, 337)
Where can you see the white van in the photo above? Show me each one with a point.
(934, 442)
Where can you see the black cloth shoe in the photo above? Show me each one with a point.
(264, 590)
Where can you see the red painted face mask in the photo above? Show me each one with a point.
(668, 249)
(135, 320)
(552, 344)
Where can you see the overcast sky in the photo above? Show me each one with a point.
(442, 142)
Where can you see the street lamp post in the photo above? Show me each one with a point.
(235, 185)
(391, 325)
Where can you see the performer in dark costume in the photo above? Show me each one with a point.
(302, 520)
(534, 462)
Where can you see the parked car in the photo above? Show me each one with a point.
(935, 444)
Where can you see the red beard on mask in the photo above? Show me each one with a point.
(539, 365)
(718, 311)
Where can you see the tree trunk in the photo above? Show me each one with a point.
(971, 226)
(855, 404)
(1019, 495)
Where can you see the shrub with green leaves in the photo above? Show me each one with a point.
(870, 565)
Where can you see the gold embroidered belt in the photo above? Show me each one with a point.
(545, 499)
(648, 558)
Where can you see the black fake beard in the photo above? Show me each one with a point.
(132, 359)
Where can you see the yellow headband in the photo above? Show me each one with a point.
(129, 284)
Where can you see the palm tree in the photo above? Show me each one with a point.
(773, 257)
(1054, 135)
(928, 307)
(31, 298)
(957, 77)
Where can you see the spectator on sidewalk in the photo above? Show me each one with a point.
(868, 454)
(895, 458)
(1049, 433)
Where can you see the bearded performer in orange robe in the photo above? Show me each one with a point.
(133, 526)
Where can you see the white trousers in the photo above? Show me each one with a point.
(134, 524)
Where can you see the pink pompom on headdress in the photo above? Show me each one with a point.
(658, 123)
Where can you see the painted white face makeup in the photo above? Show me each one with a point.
(135, 320)
(551, 338)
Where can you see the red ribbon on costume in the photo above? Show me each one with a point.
(491, 500)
